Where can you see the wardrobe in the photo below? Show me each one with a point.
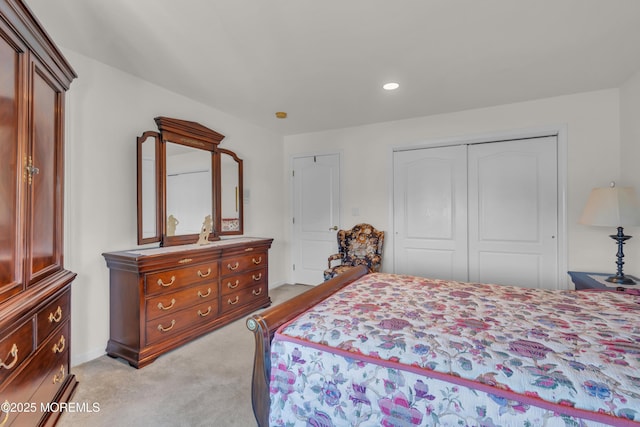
(481, 212)
(35, 288)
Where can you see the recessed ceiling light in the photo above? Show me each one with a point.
(390, 86)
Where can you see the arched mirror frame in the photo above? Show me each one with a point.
(193, 135)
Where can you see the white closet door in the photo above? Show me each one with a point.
(513, 213)
(430, 208)
(316, 210)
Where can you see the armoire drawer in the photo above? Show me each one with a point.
(244, 296)
(164, 304)
(15, 348)
(231, 284)
(169, 280)
(240, 263)
(53, 315)
(173, 324)
(37, 382)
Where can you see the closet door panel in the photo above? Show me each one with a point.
(513, 212)
(430, 212)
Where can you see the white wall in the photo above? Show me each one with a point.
(593, 144)
(107, 110)
(630, 136)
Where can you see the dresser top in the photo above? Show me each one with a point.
(211, 245)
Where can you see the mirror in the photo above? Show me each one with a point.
(148, 186)
(183, 178)
(230, 192)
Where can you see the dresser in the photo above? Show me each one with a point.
(162, 298)
(35, 288)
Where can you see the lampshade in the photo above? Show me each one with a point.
(612, 206)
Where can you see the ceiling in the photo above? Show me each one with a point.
(324, 62)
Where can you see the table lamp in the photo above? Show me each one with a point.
(613, 207)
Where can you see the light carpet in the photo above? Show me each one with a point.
(206, 382)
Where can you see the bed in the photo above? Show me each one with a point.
(395, 350)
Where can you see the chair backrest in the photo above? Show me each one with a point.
(360, 245)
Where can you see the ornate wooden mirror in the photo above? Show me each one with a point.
(183, 177)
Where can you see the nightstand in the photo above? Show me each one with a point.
(583, 280)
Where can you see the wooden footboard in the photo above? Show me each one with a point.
(265, 324)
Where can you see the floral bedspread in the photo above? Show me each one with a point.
(402, 350)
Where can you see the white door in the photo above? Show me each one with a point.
(481, 212)
(316, 215)
(513, 213)
(430, 212)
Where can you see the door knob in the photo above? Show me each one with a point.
(334, 228)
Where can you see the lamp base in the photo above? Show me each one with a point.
(622, 280)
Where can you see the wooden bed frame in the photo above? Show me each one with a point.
(265, 324)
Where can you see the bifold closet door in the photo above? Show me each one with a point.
(430, 212)
(480, 212)
(513, 212)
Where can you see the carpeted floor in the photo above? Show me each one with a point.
(204, 383)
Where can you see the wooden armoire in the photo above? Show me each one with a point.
(35, 299)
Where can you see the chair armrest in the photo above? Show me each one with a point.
(333, 257)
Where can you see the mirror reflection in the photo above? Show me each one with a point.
(149, 190)
(189, 192)
(230, 193)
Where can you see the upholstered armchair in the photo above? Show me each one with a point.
(362, 245)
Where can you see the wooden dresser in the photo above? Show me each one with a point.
(35, 288)
(162, 298)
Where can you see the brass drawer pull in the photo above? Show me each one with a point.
(168, 328)
(234, 267)
(201, 314)
(258, 261)
(256, 293)
(161, 283)
(59, 347)
(58, 378)
(55, 317)
(233, 286)
(204, 296)
(256, 278)
(13, 353)
(203, 275)
(185, 260)
(162, 307)
(235, 301)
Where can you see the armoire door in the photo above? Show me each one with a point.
(12, 64)
(46, 162)
(481, 212)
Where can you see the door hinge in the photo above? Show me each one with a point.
(294, 267)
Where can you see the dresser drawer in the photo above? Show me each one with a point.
(15, 348)
(164, 304)
(169, 280)
(173, 324)
(231, 284)
(244, 296)
(232, 265)
(53, 315)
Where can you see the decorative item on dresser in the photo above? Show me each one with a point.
(35, 288)
(162, 298)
